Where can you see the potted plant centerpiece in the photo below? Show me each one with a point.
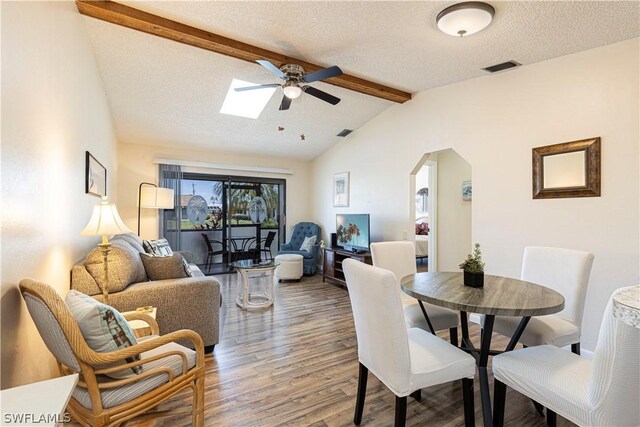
(473, 268)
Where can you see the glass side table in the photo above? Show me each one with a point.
(259, 293)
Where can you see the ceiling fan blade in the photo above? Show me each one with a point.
(269, 66)
(285, 104)
(325, 73)
(242, 89)
(321, 95)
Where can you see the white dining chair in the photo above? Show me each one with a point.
(602, 392)
(400, 259)
(404, 359)
(565, 271)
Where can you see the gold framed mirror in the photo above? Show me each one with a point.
(571, 169)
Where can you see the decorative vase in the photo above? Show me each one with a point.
(475, 280)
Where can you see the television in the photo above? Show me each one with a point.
(352, 232)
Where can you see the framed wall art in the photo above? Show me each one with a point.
(95, 177)
(341, 189)
(466, 191)
(570, 169)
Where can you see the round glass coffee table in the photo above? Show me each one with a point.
(255, 283)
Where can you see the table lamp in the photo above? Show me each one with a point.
(105, 221)
(153, 197)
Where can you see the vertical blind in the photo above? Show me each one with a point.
(170, 219)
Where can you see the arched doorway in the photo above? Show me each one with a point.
(440, 210)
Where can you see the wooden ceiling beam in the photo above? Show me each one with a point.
(129, 17)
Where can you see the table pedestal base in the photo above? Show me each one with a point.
(482, 356)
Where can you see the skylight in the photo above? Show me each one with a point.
(248, 103)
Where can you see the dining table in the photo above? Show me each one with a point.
(500, 296)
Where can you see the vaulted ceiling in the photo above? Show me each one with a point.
(162, 92)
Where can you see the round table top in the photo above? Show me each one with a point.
(499, 296)
(248, 264)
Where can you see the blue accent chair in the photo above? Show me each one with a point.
(300, 231)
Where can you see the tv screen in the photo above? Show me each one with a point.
(352, 231)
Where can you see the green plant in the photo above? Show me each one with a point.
(474, 263)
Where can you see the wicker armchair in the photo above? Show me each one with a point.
(99, 400)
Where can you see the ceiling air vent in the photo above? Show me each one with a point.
(344, 132)
(503, 66)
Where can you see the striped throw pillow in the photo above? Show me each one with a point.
(159, 247)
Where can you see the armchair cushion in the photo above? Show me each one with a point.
(165, 267)
(305, 254)
(115, 396)
(103, 327)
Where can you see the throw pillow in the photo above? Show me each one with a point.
(104, 329)
(125, 266)
(187, 267)
(308, 243)
(422, 229)
(165, 267)
(158, 247)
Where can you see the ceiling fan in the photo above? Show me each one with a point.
(295, 82)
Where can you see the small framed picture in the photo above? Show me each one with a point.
(341, 189)
(95, 177)
(466, 191)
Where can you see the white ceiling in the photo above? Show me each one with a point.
(165, 93)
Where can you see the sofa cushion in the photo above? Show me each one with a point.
(103, 328)
(159, 247)
(132, 239)
(165, 267)
(125, 266)
(83, 281)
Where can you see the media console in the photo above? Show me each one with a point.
(332, 264)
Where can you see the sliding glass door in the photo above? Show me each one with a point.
(222, 218)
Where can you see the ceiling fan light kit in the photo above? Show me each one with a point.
(463, 19)
(291, 90)
(296, 82)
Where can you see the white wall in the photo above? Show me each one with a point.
(53, 109)
(136, 165)
(454, 214)
(494, 122)
(422, 179)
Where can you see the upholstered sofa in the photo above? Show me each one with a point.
(300, 231)
(184, 303)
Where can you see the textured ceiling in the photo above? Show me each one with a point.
(165, 93)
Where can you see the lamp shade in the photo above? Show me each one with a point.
(156, 198)
(105, 221)
(467, 18)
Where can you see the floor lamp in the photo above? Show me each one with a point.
(105, 221)
(153, 197)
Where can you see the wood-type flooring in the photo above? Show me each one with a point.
(296, 364)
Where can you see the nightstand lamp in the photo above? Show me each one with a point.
(105, 221)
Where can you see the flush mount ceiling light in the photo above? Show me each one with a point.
(467, 18)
